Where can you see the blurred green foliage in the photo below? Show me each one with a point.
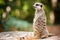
(18, 24)
(2, 2)
(22, 12)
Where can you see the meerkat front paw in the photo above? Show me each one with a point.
(44, 36)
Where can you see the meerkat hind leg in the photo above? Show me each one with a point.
(46, 36)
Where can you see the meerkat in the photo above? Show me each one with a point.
(39, 22)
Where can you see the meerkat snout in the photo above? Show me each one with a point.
(37, 6)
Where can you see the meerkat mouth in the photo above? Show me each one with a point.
(39, 10)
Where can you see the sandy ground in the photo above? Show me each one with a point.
(17, 35)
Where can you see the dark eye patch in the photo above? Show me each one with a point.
(40, 5)
(37, 4)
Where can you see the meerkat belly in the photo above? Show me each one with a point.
(40, 27)
(40, 23)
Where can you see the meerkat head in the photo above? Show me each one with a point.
(37, 6)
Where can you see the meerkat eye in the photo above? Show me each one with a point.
(40, 5)
(37, 4)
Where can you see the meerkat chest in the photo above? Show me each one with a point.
(40, 16)
(37, 16)
(39, 19)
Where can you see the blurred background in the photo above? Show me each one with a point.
(19, 14)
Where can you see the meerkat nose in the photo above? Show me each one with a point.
(34, 6)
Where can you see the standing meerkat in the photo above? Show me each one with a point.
(39, 22)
